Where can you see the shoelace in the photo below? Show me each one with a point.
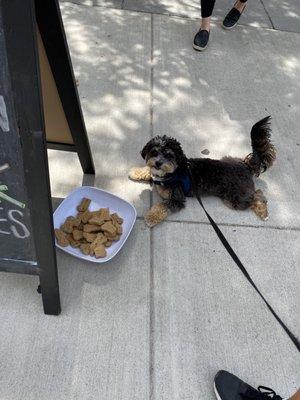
(263, 393)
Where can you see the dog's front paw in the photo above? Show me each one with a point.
(156, 214)
(151, 220)
(140, 174)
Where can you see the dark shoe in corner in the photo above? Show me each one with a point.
(229, 387)
(232, 18)
(201, 40)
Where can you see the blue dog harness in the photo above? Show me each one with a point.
(180, 178)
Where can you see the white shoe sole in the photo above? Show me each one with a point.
(228, 28)
(198, 48)
(216, 392)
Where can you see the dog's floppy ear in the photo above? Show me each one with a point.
(149, 146)
(177, 149)
(146, 149)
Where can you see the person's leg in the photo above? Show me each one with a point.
(207, 7)
(202, 37)
(296, 396)
(240, 5)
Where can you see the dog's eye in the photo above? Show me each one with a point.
(168, 154)
(154, 153)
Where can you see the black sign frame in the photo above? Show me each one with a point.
(20, 19)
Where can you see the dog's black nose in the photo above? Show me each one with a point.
(158, 164)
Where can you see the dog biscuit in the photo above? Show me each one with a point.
(72, 241)
(100, 239)
(100, 251)
(67, 226)
(74, 221)
(85, 216)
(117, 218)
(77, 234)
(84, 205)
(109, 228)
(97, 220)
(119, 229)
(89, 237)
(85, 248)
(104, 214)
(91, 228)
(80, 226)
(61, 238)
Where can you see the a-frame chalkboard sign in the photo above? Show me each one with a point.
(39, 107)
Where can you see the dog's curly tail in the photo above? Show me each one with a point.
(263, 151)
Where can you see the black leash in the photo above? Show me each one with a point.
(240, 265)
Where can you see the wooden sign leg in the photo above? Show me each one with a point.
(44, 234)
(50, 292)
(51, 28)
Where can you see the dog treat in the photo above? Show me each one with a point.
(70, 219)
(111, 238)
(61, 238)
(104, 214)
(95, 213)
(85, 216)
(118, 219)
(77, 234)
(119, 229)
(84, 205)
(72, 241)
(89, 237)
(90, 231)
(67, 226)
(97, 220)
(109, 228)
(100, 239)
(80, 226)
(85, 248)
(91, 228)
(74, 221)
(100, 251)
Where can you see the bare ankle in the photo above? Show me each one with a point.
(205, 24)
(296, 396)
(239, 6)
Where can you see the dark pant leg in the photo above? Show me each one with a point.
(207, 7)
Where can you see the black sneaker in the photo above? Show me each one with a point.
(201, 40)
(230, 387)
(232, 18)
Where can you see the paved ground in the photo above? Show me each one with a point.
(159, 320)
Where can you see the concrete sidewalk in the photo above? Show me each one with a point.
(172, 308)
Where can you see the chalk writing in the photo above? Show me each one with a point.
(4, 188)
(12, 224)
(4, 124)
(4, 167)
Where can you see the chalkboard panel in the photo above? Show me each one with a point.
(16, 240)
(27, 243)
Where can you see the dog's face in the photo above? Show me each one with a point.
(163, 155)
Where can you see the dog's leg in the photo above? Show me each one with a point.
(228, 204)
(259, 205)
(156, 214)
(140, 174)
(160, 211)
(165, 193)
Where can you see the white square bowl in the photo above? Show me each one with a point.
(99, 199)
